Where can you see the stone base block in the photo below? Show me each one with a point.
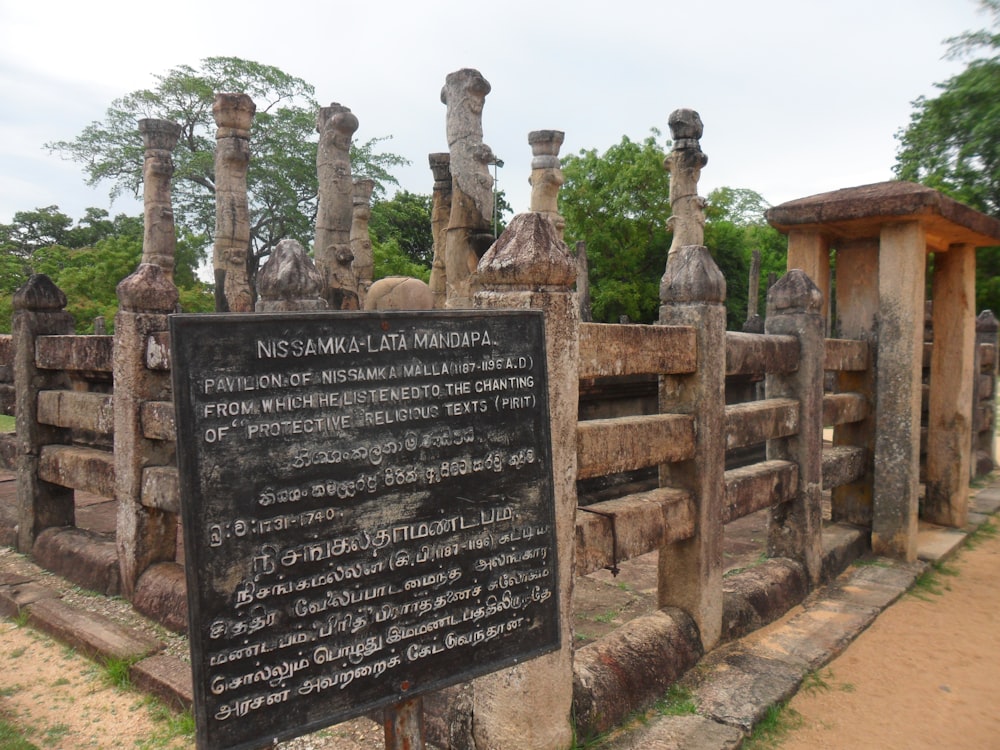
(89, 560)
(161, 595)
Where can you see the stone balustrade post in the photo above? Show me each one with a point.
(546, 175)
(233, 115)
(146, 535)
(693, 293)
(159, 240)
(289, 281)
(795, 308)
(38, 311)
(529, 705)
(985, 405)
(336, 125)
(440, 215)
(361, 241)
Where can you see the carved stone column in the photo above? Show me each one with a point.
(469, 235)
(361, 241)
(159, 240)
(334, 214)
(684, 163)
(546, 175)
(233, 115)
(440, 214)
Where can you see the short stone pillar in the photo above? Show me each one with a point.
(38, 311)
(469, 234)
(146, 534)
(546, 175)
(289, 281)
(795, 531)
(335, 210)
(985, 403)
(159, 240)
(949, 410)
(530, 267)
(440, 215)
(361, 241)
(693, 293)
(233, 115)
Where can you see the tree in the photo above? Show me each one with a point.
(281, 181)
(952, 142)
(618, 203)
(406, 219)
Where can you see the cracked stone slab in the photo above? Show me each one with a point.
(679, 733)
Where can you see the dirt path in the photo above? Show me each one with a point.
(926, 674)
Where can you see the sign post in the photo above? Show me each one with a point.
(368, 512)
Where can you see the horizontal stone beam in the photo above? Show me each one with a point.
(615, 530)
(80, 353)
(161, 488)
(611, 446)
(608, 350)
(758, 486)
(758, 354)
(846, 355)
(843, 408)
(77, 410)
(158, 420)
(755, 422)
(843, 464)
(86, 469)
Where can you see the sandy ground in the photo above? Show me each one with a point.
(926, 674)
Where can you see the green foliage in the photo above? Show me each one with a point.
(390, 260)
(952, 142)
(406, 218)
(281, 181)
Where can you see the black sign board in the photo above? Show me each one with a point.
(367, 507)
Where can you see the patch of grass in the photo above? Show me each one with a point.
(816, 682)
(772, 729)
(607, 617)
(61, 681)
(6, 423)
(118, 672)
(12, 738)
(761, 558)
(929, 583)
(54, 735)
(22, 617)
(171, 726)
(677, 702)
(7, 692)
(986, 530)
(17, 652)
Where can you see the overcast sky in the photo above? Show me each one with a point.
(797, 96)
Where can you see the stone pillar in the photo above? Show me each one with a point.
(857, 318)
(583, 282)
(754, 323)
(289, 281)
(38, 311)
(469, 234)
(949, 418)
(693, 293)
(233, 115)
(795, 308)
(146, 535)
(529, 705)
(159, 240)
(809, 251)
(985, 404)
(440, 215)
(361, 241)
(902, 262)
(335, 210)
(546, 175)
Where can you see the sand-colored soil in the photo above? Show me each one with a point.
(926, 674)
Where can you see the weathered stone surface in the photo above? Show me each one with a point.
(846, 354)
(843, 543)
(684, 163)
(679, 733)
(756, 421)
(83, 411)
(290, 281)
(361, 243)
(90, 633)
(751, 354)
(149, 289)
(611, 446)
(761, 594)
(81, 557)
(160, 488)
(158, 420)
(166, 677)
(159, 240)
(752, 488)
(84, 353)
(161, 594)
(528, 255)
(399, 293)
(17, 592)
(630, 668)
(440, 164)
(546, 175)
(609, 350)
(87, 469)
(691, 276)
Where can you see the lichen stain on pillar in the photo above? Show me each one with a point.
(468, 235)
(336, 125)
(159, 241)
(233, 115)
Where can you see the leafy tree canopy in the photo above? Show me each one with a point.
(282, 183)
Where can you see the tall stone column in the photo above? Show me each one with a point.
(159, 240)
(809, 251)
(693, 293)
(233, 116)
(902, 259)
(546, 175)
(949, 418)
(985, 405)
(469, 234)
(795, 308)
(440, 215)
(529, 705)
(361, 241)
(38, 311)
(336, 125)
